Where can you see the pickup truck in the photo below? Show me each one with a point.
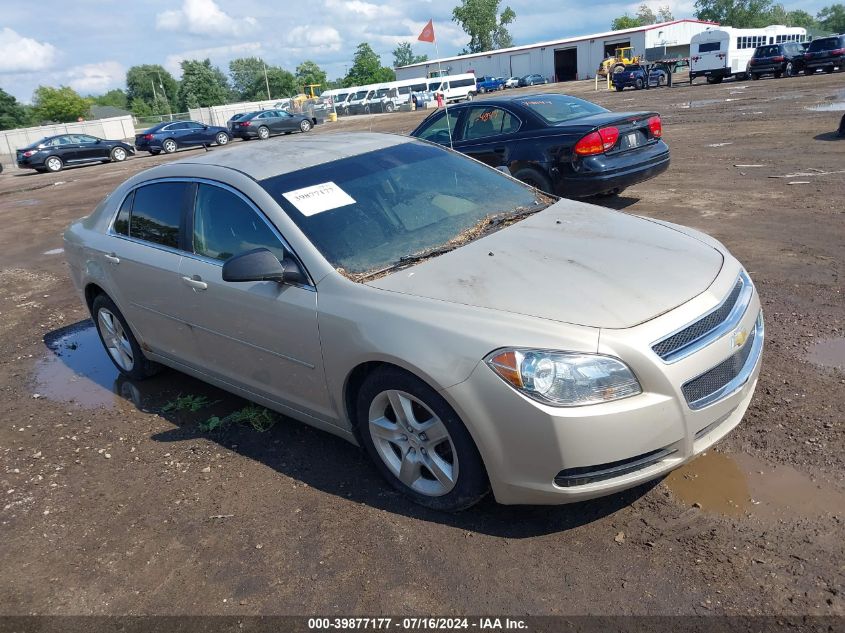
(489, 84)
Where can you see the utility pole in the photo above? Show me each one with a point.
(267, 83)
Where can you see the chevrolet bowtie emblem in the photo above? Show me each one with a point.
(738, 338)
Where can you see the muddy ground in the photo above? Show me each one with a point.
(111, 504)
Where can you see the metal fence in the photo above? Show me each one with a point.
(115, 128)
(143, 122)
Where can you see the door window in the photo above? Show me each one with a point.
(225, 225)
(438, 130)
(157, 212)
(174, 127)
(482, 122)
(191, 125)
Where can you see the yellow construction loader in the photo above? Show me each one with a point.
(622, 57)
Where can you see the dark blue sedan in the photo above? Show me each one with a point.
(169, 136)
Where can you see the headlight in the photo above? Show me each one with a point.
(564, 379)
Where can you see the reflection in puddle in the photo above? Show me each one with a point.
(736, 485)
(828, 352)
(79, 371)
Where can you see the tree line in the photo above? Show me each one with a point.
(743, 14)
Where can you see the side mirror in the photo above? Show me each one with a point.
(258, 264)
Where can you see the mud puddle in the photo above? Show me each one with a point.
(829, 352)
(738, 485)
(79, 371)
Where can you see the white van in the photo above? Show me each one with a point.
(358, 102)
(725, 52)
(454, 87)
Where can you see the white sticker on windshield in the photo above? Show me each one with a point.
(318, 198)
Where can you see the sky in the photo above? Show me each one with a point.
(89, 44)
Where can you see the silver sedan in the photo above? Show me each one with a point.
(469, 332)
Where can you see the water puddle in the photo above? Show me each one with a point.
(54, 251)
(838, 106)
(828, 352)
(78, 371)
(739, 485)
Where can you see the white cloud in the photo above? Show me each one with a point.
(96, 78)
(314, 38)
(218, 55)
(24, 54)
(203, 17)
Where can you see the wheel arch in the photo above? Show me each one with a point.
(92, 291)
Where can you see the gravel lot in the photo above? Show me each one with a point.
(112, 505)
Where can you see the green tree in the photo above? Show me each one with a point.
(246, 73)
(801, 18)
(61, 104)
(116, 98)
(367, 69)
(139, 107)
(403, 55)
(832, 18)
(282, 84)
(12, 113)
(149, 82)
(624, 22)
(486, 27)
(308, 73)
(202, 85)
(736, 13)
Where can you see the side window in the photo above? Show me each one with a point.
(225, 225)
(173, 127)
(157, 212)
(438, 129)
(482, 122)
(121, 223)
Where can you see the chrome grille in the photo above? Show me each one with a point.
(712, 381)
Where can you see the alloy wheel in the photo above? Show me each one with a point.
(413, 442)
(119, 154)
(169, 146)
(222, 138)
(54, 163)
(115, 339)
(305, 125)
(263, 133)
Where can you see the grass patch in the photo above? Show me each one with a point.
(259, 418)
(188, 403)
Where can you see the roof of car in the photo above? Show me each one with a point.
(265, 159)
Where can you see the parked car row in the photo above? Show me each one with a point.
(54, 153)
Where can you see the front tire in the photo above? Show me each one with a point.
(53, 164)
(305, 125)
(789, 71)
(638, 84)
(117, 155)
(169, 146)
(222, 138)
(418, 443)
(119, 342)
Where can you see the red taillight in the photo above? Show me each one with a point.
(808, 55)
(148, 137)
(838, 51)
(597, 142)
(29, 153)
(752, 61)
(655, 126)
(779, 58)
(245, 123)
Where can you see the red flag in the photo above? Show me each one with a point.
(427, 34)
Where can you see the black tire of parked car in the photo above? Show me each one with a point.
(828, 69)
(305, 125)
(841, 130)
(638, 84)
(755, 76)
(169, 146)
(620, 88)
(534, 178)
(789, 70)
(117, 155)
(142, 367)
(53, 164)
(222, 138)
(472, 484)
(263, 133)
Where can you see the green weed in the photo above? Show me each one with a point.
(259, 418)
(188, 403)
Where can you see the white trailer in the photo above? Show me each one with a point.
(725, 52)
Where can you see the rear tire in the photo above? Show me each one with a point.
(535, 178)
(809, 71)
(620, 88)
(169, 146)
(119, 342)
(446, 474)
(53, 164)
(789, 71)
(263, 133)
(638, 84)
(755, 76)
(828, 69)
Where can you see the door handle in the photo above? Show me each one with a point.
(195, 282)
(112, 258)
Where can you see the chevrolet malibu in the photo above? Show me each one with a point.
(468, 331)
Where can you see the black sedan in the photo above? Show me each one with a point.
(560, 144)
(53, 153)
(532, 80)
(265, 123)
(170, 136)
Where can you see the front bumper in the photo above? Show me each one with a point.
(551, 455)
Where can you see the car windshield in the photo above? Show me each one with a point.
(360, 95)
(368, 214)
(559, 108)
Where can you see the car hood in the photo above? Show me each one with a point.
(573, 262)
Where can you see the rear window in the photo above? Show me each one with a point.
(709, 47)
(559, 108)
(825, 44)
